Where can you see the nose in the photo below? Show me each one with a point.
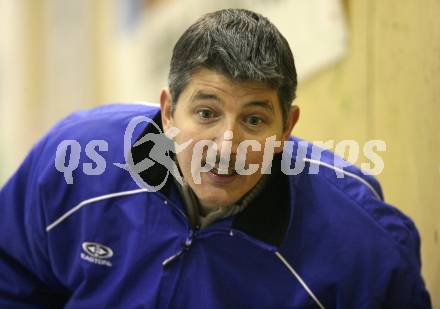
(228, 138)
(226, 148)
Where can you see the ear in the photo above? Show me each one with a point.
(292, 119)
(166, 109)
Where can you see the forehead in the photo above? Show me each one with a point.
(211, 82)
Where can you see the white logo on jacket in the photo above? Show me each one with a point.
(96, 253)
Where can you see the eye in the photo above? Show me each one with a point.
(254, 120)
(205, 113)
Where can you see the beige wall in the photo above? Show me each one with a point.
(389, 89)
(47, 70)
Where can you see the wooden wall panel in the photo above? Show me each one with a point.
(388, 88)
(406, 110)
(334, 102)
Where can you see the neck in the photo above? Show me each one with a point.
(202, 215)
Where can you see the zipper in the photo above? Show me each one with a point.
(191, 223)
(185, 247)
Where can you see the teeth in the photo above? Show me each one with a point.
(221, 172)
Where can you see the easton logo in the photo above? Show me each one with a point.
(96, 253)
(97, 250)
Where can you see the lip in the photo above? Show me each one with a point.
(221, 180)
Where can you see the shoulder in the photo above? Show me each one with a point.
(104, 123)
(103, 118)
(82, 157)
(341, 226)
(343, 192)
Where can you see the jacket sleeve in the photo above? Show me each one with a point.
(407, 288)
(26, 278)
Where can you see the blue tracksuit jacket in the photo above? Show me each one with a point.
(307, 241)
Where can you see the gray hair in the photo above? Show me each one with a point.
(242, 45)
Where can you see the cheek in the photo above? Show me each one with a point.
(255, 156)
(186, 156)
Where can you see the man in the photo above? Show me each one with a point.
(233, 227)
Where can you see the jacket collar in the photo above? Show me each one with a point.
(266, 218)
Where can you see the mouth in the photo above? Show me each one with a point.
(221, 176)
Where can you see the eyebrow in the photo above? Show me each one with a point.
(201, 95)
(265, 104)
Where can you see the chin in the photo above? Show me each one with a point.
(216, 200)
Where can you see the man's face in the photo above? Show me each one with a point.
(210, 105)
